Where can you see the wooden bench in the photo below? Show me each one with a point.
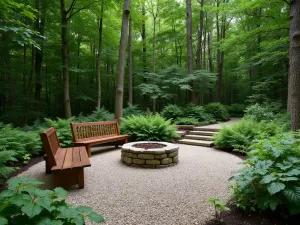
(66, 164)
(94, 133)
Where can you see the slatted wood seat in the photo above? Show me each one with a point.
(66, 164)
(94, 133)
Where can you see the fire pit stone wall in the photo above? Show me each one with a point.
(150, 158)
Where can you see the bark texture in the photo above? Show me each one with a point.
(121, 62)
(99, 58)
(294, 79)
(64, 57)
(190, 47)
(130, 87)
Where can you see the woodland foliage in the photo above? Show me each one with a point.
(270, 177)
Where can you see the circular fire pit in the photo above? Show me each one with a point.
(149, 154)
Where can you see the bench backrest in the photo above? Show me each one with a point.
(51, 144)
(92, 130)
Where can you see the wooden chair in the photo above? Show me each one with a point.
(66, 164)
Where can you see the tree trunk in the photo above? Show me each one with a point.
(294, 80)
(64, 57)
(200, 34)
(143, 33)
(190, 47)
(120, 80)
(99, 58)
(210, 61)
(39, 26)
(130, 87)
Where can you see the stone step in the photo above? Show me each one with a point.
(202, 133)
(198, 137)
(211, 129)
(181, 133)
(196, 142)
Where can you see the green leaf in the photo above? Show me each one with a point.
(6, 193)
(3, 221)
(267, 179)
(61, 193)
(21, 199)
(292, 194)
(275, 187)
(44, 202)
(31, 209)
(95, 217)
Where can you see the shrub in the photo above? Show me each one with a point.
(271, 176)
(236, 110)
(63, 130)
(240, 135)
(97, 115)
(148, 128)
(198, 113)
(172, 112)
(5, 157)
(217, 110)
(24, 203)
(132, 110)
(265, 111)
(186, 121)
(23, 144)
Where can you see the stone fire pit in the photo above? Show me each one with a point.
(150, 154)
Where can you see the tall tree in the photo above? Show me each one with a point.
(66, 15)
(121, 62)
(200, 34)
(190, 47)
(294, 80)
(100, 28)
(130, 86)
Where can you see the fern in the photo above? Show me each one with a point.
(6, 156)
(148, 128)
(63, 130)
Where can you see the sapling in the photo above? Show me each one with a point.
(219, 207)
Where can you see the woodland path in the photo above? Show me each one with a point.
(138, 196)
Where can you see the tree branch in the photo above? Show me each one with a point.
(287, 2)
(71, 6)
(80, 9)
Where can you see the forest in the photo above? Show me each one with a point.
(60, 58)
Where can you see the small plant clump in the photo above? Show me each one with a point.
(24, 203)
(217, 110)
(219, 208)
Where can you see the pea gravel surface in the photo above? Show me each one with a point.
(139, 196)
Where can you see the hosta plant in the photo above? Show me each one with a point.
(270, 178)
(24, 203)
(148, 128)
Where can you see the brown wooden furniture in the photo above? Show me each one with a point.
(66, 164)
(94, 133)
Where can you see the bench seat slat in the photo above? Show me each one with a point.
(102, 140)
(84, 158)
(59, 158)
(76, 158)
(68, 159)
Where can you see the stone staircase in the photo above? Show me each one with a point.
(200, 136)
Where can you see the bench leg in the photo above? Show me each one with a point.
(48, 167)
(81, 178)
(116, 145)
(88, 150)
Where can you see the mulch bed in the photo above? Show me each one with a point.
(147, 146)
(21, 169)
(237, 216)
